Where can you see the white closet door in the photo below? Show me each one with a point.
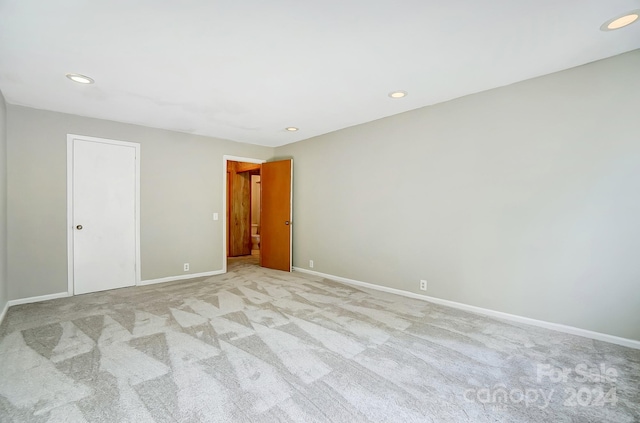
(104, 215)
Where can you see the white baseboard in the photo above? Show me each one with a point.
(631, 343)
(181, 277)
(4, 312)
(37, 299)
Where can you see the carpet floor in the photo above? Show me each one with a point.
(256, 345)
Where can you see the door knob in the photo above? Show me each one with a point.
(286, 222)
(79, 227)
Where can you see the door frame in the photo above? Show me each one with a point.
(70, 264)
(228, 158)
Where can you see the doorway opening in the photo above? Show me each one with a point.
(272, 227)
(242, 210)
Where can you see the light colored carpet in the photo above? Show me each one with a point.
(261, 345)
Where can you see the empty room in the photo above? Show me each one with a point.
(356, 211)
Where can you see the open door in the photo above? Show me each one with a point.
(275, 212)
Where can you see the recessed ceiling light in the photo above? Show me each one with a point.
(80, 79)
(291, 128)
(621, 21)
(398, 94)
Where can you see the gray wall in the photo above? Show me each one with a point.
(523, 199)
(181, 187)
(4, 289)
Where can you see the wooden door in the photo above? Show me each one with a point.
(104, 195)
(275, 215)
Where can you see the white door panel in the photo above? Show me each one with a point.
(104, 216)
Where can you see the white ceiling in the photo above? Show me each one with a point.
(246, 69)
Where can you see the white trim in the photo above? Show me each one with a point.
(181, 277)
(69, 214)
(226, 158)
(241, 159)
(4, 312)
(136, 147)
(37, 299)
(631, 343)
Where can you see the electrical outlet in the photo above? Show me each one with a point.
(423, 285)
(186, 267)
(215, 216)
(310, 264)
